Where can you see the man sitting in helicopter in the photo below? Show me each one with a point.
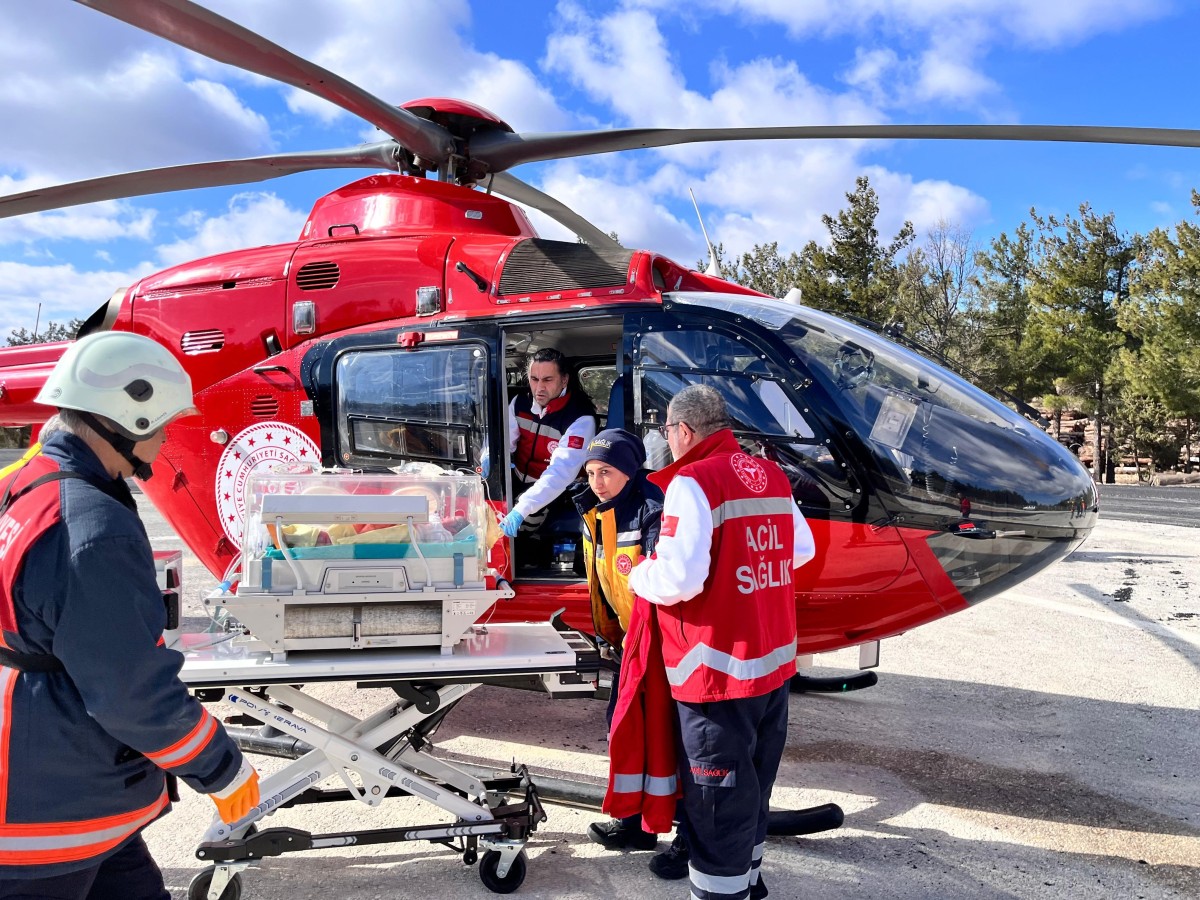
(549, 430)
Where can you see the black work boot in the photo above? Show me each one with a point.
(758, 890)
(672, 864)
(616, 834)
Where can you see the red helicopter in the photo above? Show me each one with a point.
(395, 327)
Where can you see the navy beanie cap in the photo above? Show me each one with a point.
(618, 448)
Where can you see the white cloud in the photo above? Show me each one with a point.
(938, 48)
(750, 192)
(92, 222)
(81, 117)
(425, 55)
(252, 219)
(64, 291)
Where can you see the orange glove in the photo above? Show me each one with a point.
(238, 797)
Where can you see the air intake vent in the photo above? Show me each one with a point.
(264, 406)
(208, 341)
(536, 266)
(317, 276)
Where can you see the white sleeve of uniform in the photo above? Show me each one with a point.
(683, 555)
(804, 548)
(514, 427)
(564, 466)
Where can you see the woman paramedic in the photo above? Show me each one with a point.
(621, 512)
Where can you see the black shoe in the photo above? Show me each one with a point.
(672, 864)
(616, 835)
(758, 890)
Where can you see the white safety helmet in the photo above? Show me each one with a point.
(131, 380)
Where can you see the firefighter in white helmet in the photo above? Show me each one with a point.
(94, 721)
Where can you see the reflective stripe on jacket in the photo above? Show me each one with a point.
(722, 575)
(83, 750)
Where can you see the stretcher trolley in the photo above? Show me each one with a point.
(386, 754)
(380, 581)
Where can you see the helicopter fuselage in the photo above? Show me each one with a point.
(394, 330)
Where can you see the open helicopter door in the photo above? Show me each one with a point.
(548, 562)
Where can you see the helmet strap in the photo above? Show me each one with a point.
(123, 445)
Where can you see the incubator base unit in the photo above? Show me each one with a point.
(349, 561)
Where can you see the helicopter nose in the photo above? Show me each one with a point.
(993, 506)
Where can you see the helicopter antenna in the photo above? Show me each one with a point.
(714, 267)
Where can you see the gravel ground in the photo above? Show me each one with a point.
(1040, 745)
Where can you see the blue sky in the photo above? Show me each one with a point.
(84, 95)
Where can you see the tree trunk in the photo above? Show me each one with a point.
(1187, 445)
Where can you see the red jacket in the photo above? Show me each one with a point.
(722, 573)
(641, 768)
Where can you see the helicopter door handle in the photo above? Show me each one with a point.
(263, 370)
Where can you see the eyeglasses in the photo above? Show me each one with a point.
(665, 430)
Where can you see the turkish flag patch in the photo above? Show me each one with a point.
(669, 524)
(574, 442)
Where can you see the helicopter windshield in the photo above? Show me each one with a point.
(999, 497)
(852, 357)
(943, 445)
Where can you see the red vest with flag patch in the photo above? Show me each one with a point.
(737, 637)
(539, 437)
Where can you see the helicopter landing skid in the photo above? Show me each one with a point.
(813, 684)
(825, 817)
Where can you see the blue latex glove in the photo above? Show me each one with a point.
(511, 524)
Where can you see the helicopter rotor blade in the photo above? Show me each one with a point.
(502, 150)
(514, 189)
(379, 155)
(188, 25)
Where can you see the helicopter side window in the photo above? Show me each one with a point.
(764, 413)
(412, 405)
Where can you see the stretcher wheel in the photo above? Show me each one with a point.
(493, 882)
(198, 889)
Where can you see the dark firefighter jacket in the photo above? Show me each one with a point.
(84, 748)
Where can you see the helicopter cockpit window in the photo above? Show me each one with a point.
(412, 405)
(764, 412)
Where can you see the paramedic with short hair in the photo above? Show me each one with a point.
(549, 430)
(93, 716)
(721, 582)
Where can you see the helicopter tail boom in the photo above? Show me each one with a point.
(23, 371)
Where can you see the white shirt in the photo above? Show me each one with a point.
(565, 461)
(682, 560)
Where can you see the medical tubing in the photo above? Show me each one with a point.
(412, 537)
(287, 554)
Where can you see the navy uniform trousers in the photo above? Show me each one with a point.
(729, 756)
(128, 874)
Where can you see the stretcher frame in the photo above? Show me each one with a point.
(387, 753)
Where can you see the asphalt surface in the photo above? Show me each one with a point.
(1170, 505)
(1040, 745)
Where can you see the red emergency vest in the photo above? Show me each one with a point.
(20, 528)
(737, 637)
(539, 437)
